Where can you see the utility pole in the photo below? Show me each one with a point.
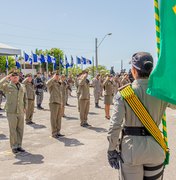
(96, 54)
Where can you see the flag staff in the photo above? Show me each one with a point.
(7, 65)
(157, 24)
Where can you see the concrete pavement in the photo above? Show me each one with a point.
(80, 155)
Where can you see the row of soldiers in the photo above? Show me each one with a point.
(108, 83)
(20, 99)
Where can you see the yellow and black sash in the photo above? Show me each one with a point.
(138, 108)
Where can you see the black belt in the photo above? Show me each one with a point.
(135, 131)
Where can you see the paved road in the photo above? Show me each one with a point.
(80, 155)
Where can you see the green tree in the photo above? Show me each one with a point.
(11, 63)
(55, 52)
(101, 69)
(73, 71)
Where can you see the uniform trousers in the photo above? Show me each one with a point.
(55, 118)
(30, 110)
(39, 98)
(96, 96)
(84, 110)
(16, 128)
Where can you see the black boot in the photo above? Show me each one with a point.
(97, 106)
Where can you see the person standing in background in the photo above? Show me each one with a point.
(39, 86)
(108, 95)
(54, 87)
(97, 89)
(28, 82)
(84, 98)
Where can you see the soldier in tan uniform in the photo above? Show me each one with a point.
(101, 85)
(125, 80)
(84, 99)
(108, 95)
(116, 84)
(97, 89)
(63, 94)
(142, 157)
(28, 82)
(16, 104)
(77, 88)
(54, 87)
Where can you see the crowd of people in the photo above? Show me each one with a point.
(21, 91)
(133, 148)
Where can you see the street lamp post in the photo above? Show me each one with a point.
(96, 49)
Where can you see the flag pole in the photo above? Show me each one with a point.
(76, 66)
(93, 72)
(24, 67)
(157, 23)
(47, 70)
(53, 67)
(7, 63)
(40, 67)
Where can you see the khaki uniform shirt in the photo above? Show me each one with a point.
(108, 88)
(136, 150)
(124, 81)
(29, 89)
(63, 92)
(16, 99)
(54, 88)
(97, 85)
(84, 89)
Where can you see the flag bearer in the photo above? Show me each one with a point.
(139, 154)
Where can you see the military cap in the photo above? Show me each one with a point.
(142, 61)
(15, 74)
(29, 75)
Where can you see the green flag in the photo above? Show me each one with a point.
(162, 81)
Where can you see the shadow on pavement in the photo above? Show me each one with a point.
(97, 129)
(71, 105)
(2, 116)
(93, 113)
(3, 137)
(71, 142)
(71, 118)
(28, 158)
(45, 110)
(37, 126)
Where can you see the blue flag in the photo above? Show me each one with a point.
(84, 60)
(49, 60)
(53, 59)
(34, 57)
(17, 64)
(31, 60)
(42, 58)
(66, 62)
(72, 62)
(7, 63)
(89, 61)
(26, 57)
(78, 60)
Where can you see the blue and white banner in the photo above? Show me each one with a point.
(72, 62)
(17, 64)
(26, 57)
(78, 60)
(66, 63)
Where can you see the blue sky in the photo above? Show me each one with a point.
(73, 25)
